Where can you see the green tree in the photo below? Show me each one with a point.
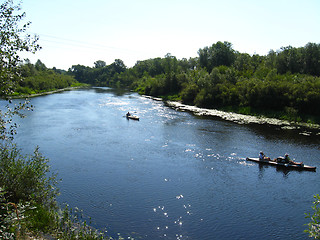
(40, 66)
(220, 53)
(81, 73)
(204, 58)
(27, 69)
(289, 59)
(14, 40)
(189, 93)
(99, 64)
(314, 224)
(243, 63)
(271, 59)
(312, 59)
(118, 66)
(171, 66)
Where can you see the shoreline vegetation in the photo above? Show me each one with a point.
(38, 80)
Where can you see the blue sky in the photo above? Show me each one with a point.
(82, 32)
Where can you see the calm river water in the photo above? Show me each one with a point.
(171, 175)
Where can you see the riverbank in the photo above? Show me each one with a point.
(46, 93)
(237, 117)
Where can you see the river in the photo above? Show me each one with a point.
(171, 175)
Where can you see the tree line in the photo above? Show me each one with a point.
(284, 82)
(101, 74)
(38, 78)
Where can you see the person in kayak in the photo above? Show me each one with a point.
(128, 114)
(263, 157)
(287, 159)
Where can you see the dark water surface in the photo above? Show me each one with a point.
(170, 175)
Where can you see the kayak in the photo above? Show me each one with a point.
(286, 165)
(133, 117)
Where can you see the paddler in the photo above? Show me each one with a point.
(288, 160)
(263, 157)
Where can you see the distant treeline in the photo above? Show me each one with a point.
(284, 82)
(101, 74)
(38, 78)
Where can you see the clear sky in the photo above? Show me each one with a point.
(81, 31)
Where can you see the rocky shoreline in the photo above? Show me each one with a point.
(236, 117)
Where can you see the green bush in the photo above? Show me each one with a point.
(26, 178)
(314, 225)
(8, 224)
(28, 191)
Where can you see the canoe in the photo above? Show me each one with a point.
(133, 117)
(285, 165)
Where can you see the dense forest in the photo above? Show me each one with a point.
(283, 84)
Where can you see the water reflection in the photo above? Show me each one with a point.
(284, 171)
(291, 135)
(116, 91)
